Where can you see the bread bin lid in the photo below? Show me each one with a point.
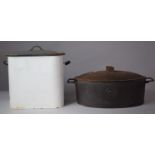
(110, 74)
(36, 51)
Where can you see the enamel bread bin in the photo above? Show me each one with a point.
(36, 80)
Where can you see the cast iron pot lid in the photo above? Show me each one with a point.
(110, 74)
(36, 51)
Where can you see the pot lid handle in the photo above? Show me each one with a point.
(109, 68)
(37, 47)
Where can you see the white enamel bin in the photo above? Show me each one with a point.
(36, 80)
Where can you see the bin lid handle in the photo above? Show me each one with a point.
(36, 47)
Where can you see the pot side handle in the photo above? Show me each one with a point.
(67, 62)
(149, 79)
(71, 80)
(5, 62)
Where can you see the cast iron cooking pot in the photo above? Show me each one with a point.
(110, 88)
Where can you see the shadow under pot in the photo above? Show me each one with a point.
(110, 88)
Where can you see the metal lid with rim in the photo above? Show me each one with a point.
(38, 51)
(109, 75)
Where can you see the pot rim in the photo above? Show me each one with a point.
(142, 79)
(97, 81)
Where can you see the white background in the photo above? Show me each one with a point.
(77, 20)
(77, 134)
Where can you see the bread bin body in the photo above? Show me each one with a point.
(36, 80)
